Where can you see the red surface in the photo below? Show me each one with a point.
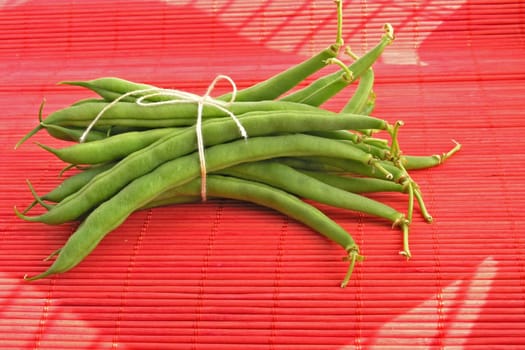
(235, 276)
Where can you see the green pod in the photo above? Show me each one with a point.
(108, 149)
(129, 114)
(359, 102)
(75, 182)
(269, 196)
(347, 166)
(73, 133)
(70, 185)
(424, 162)
(168, 198)
(286, 178)
(111, 88)
(355, 184)
(87, 100)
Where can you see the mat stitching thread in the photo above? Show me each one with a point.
(357, 281)
(45, 314)
(204, 272)
(129, 269)
(277, 280)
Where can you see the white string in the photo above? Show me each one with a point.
(182, 97)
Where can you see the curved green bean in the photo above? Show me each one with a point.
(73, 133)
(290, 180)
(424, 162)
(163, 115)
(281, 201)
(355, 184)
(108, 149)
(70, 185)
(111, 88)
(359, 100)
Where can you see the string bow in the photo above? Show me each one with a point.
(182, 97)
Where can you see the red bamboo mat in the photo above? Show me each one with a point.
(229, 275)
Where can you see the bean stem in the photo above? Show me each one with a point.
(424, 162)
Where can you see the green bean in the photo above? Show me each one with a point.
(347, 166)
(71, 185)
(399, 173)
(87, 100)
(108, 149)
(73, 133)
(338, 135)
(169, 198)
(111, 88)
(132, 115)
(424, 162)
(379, 153)
(154, 116)
(281, 201)
(290, 180)
(359, 100)
(370, 105)
(355, 184)
(183, 142)
(328, 86)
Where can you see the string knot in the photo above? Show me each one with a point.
(182, 97)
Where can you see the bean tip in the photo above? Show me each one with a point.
(22, 216)
(406, 253)
(36, 277)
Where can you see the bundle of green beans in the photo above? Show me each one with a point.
(137, 147)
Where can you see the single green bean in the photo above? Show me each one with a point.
(108, 149)
(71, 185)
(73, 133)
(355, 184)
(424, 162)
(347, 166)
(111, 88)
(168, 198)
(359, 100)
(87, 100)
(163, 115)
(281, 201)
(290, 180)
